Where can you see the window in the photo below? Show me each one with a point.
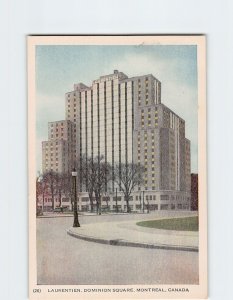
(164, 197)
(164, 206)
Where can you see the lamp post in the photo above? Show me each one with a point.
(148, 205)
(140, 199)
(143, 201)
(76, 222)
(116, 202)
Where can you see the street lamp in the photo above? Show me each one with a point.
(143, 201)
(74, 176)
(140, 199)
(148, 205)
(116, 202)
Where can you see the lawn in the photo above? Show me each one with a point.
(180, 224)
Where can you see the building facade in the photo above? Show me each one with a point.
(123, 120)
(58, 151)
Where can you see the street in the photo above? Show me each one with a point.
(64, 260)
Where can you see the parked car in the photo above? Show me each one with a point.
(58, 209)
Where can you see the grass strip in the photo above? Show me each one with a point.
(179, 224)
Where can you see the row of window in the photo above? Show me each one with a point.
(57, 135)
(56, 124)
(61, 128)
(47, 144)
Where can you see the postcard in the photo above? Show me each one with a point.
(117, 167)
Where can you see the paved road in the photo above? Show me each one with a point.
(63, 259)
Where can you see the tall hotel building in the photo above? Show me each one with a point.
(123, 120)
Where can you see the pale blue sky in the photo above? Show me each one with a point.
(59, 67)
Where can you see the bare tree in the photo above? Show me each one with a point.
(41, 188)
(95, 176)
(127, 177)
(60, 185)
(44, 188)
(107, 199)
(89, 172)
(68, 187)
(102, 175)
(38, 193)
(51, 179)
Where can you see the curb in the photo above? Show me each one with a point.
(80, 214)
(120, 242)
(62, 216)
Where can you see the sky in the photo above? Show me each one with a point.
(58, 68)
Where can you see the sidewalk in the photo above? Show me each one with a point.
(127, 233)
(71, 214)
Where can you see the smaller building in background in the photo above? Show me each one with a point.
(58, 151)
(194, 191)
